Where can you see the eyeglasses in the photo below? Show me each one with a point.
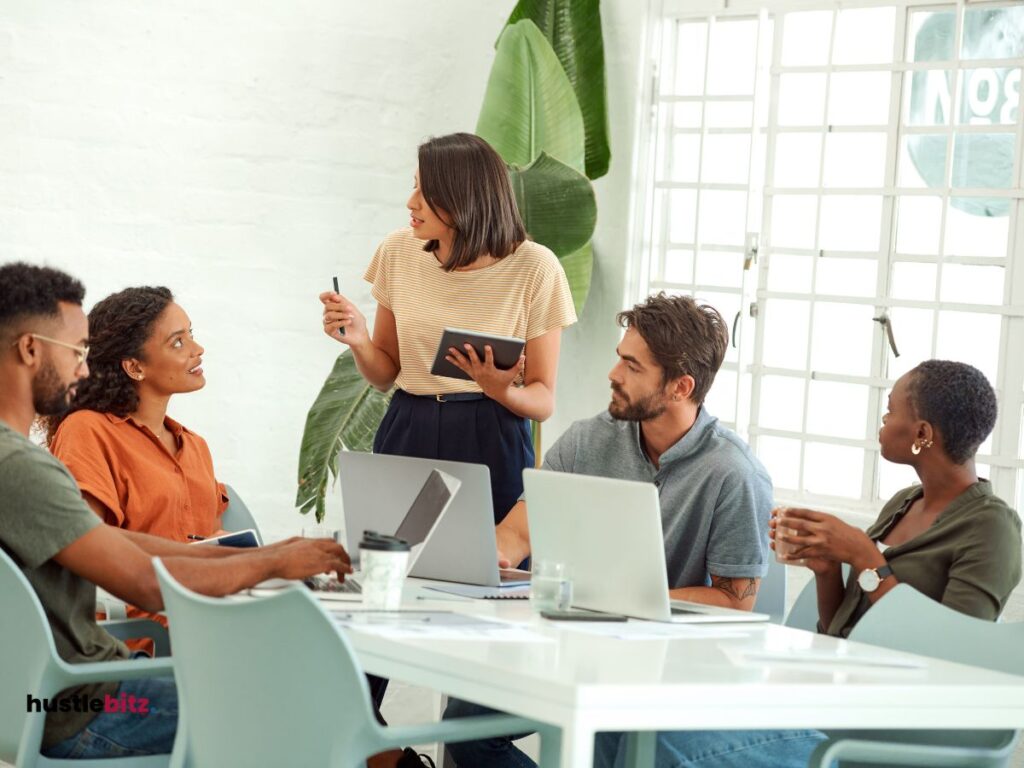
(82, 352)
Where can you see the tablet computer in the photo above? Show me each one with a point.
(507, 350)
(245, 538)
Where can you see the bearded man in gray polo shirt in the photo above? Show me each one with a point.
(715, 498)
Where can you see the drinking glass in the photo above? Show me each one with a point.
(550, 586)
(784, 549)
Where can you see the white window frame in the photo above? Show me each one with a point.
(1005, 457)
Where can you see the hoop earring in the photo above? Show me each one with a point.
(915, 448)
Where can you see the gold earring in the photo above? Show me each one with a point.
(929, 444)
(915, 448)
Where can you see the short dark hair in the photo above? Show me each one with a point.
(684, 336)
(119, 326)
(462, 175)
(28, 291)
(958, 401)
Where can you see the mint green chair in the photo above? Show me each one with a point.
(804, 613)
(273, 681)
(29, 665)
(771, 594)
(237, 516)
(130, 629)
(906, 620)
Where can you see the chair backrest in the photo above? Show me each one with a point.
(237, 516)
(906, 620)
(266, 682)
(29, 652)
(771, 594)
(804, 613)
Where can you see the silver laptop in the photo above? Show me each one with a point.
(609, 534)
(375, 488)
(420, 522)
(417, 525)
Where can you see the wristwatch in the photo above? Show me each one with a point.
(870, 578)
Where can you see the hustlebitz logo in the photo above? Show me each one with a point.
(125, 704)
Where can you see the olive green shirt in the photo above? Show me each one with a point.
(968, 560)
(42, 512)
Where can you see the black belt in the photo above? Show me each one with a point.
(453, 397)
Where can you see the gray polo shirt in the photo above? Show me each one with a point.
(715, 495)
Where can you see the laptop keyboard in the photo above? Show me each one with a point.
(330, 584)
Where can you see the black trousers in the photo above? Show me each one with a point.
(471, 428)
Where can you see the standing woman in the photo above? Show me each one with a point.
(137, 467)
(464, 262)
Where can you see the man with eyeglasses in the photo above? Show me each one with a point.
(64, 549)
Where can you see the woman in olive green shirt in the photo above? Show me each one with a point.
(949, 537)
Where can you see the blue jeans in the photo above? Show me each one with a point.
(123, 734)
(675, 749)
(716, 749)
(498, 752)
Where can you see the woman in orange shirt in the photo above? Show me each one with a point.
(137, 467)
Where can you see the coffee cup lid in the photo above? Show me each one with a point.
(380, 542)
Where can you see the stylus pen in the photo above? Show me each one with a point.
(337, 290)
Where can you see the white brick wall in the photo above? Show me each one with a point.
(241, 154)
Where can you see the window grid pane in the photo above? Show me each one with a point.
(877, 183)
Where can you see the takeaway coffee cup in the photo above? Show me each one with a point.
(383, 561)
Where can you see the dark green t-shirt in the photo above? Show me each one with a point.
(968, 560)
(42, 512)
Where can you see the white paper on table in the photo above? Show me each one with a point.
(434, 625)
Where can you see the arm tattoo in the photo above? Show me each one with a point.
(739, 589)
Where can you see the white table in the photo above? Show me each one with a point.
(584, 683)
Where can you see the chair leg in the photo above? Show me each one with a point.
(640, 748)
(550, 746)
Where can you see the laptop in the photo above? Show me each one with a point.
(609, 534)
(419, 523)
(376, 487)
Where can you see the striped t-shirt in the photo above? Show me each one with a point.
(524, 295)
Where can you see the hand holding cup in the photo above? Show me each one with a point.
(783, 538)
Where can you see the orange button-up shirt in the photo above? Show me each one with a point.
(143, 487)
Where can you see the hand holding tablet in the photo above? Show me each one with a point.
(506, 350)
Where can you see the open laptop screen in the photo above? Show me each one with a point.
(425, 510)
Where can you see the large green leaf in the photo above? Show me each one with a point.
(556, 203)
(530, 106)
(579, 266)
(346, 414)
(573, 27)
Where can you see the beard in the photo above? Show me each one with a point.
(50, 396)
(648, 407)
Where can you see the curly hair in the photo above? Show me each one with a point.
(29, 291)
(957, 399)
(684, 336)
(118, 328)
